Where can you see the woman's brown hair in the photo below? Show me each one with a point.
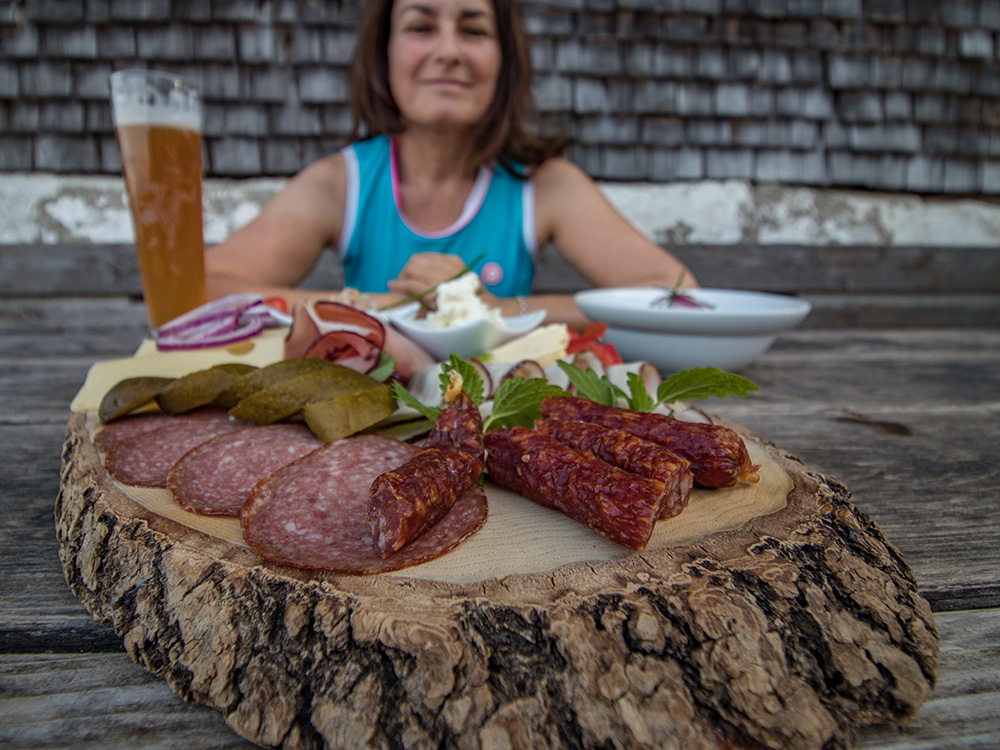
(503, 135)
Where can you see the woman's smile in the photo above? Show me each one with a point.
(444, 60)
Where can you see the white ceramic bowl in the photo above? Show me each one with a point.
(468, 340)
(737, 328)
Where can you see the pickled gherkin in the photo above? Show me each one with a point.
(130, 394)
(200, 388)
(344, 415)
(287, 397)
(268, 375)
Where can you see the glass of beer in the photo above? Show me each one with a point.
(157, 119)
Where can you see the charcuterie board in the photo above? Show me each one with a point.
(767, 615)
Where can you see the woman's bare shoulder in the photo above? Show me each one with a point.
(564, 195)
(557, 172)
(314, 199)
(328, 175)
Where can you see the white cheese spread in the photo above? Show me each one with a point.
(459, 303)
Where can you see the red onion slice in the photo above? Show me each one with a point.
(219, 322)
(225, 307)
(267, 314)
(225, 332)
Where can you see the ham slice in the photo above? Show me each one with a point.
(351, 337)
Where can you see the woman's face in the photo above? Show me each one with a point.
(444, 61)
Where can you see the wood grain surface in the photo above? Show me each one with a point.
(804, 611)
(904, 412)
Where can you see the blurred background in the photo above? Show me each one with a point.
(718, 121)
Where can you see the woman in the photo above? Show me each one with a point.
(448, 175)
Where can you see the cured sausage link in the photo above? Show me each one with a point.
(405, 502)
(630, 453)
(311, 513)
(459, 427)
(718, 456)
(617, 504)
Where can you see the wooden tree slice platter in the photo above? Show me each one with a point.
(773, 615)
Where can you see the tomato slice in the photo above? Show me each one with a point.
(590, 340)
(278, 303)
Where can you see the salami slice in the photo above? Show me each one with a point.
(630, 453)
(216, 477)
(129, 427)
(312, 513)
(617, 504)
(146, 459)
(405, 502)
(718, 456)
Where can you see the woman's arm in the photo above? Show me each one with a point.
(275, 251)
(573, 214)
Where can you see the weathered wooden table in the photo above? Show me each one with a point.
(892, 386)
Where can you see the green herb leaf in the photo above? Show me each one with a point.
(518, 401)
(639, 398)
(702, 382)
(591, 385)
(403, 395)
(472, 384)
(385, 367)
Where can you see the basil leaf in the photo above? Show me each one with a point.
(639, 398)
(702, 382)
(472, 384)
(518, 402)
(431, 412)
(385, 367)
(591, 385)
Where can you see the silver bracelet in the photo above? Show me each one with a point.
(522, 304)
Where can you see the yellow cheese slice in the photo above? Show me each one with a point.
(544, 345)
(263, 349)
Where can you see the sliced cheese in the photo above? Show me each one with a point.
(262, 350)
(544, 345)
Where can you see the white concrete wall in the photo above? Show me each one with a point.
(45, 208)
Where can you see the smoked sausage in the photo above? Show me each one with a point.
(617, 504)
(311, 513)
(630, 453)
(718, 456)
(405, 502)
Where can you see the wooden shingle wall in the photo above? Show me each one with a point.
(879, 94)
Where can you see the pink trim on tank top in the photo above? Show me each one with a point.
(474, 202)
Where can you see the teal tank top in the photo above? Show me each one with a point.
(497, 225)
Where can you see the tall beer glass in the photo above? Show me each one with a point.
(157, 119)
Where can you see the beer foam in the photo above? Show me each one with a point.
(127, 113)
(151, 98)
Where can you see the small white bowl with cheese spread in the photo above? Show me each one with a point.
(461, 324)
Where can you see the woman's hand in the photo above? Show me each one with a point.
(424, 271)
